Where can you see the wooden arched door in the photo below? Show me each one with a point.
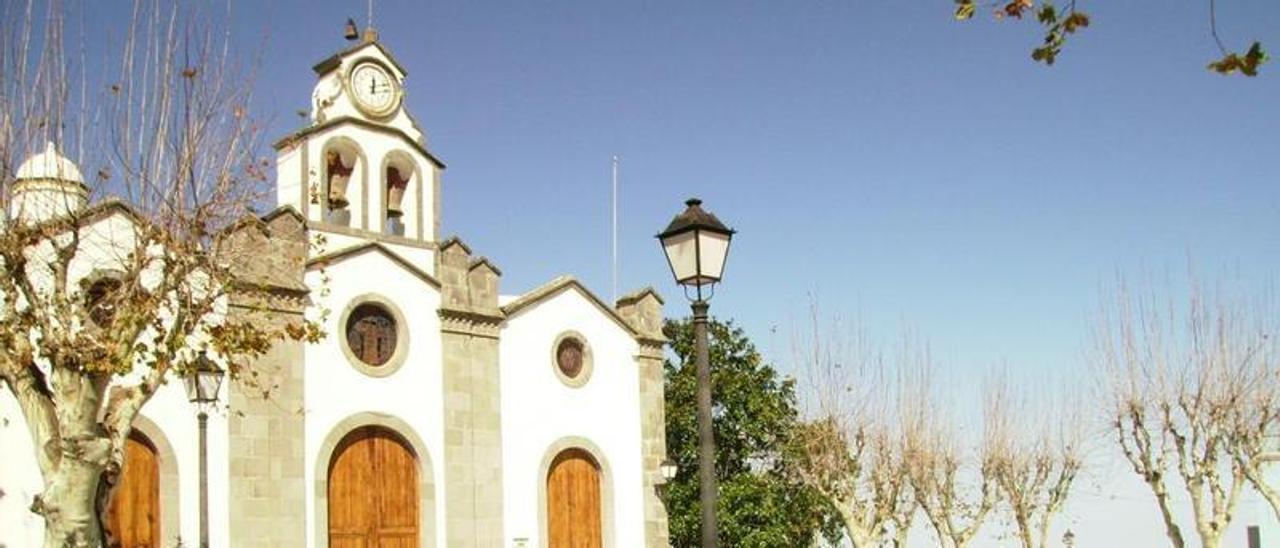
(573, 501)
(134, 515)
(373, 491)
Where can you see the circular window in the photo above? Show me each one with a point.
(100, 300)
(371, 334)
(571, 358)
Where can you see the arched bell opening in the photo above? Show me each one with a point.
(341, 166)
(400, 181)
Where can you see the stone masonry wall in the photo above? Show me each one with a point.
(470, 320)
(267, 488)
(643, 311)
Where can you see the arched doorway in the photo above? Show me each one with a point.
(134, 515)
(573, 501)
(373, 491)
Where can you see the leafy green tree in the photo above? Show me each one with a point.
(754, 420)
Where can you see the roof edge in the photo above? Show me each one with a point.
(291, 138)
(557, 286)
(356, 250)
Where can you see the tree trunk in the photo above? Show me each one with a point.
(858, 536)
(1024, 531)
(69, 505)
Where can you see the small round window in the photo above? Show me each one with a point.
(100, 300)
(371, 334)
(569, 357)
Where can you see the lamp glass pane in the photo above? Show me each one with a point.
(193, 394)
(715, 248)
(209, 381)
(682, 253)
(669, 470)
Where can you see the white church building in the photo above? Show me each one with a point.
(437, 411)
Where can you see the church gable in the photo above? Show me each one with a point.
(373, 48)
(570, 287)
(371, 257)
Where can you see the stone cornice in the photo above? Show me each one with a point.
(270, 299)
(479, 323)
(321, 226)
(650, 348)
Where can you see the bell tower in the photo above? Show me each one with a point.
(361, 165)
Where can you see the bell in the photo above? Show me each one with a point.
(396, 185)
(339, 175)
(350, 32)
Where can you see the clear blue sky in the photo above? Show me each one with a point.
(898, 165)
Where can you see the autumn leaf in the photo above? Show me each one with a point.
(1048, 15)
(1077, 20)
(965, 9)
(1246, 64)
(1016, 7)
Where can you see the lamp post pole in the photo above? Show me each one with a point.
(203, 419)
(706, 436)
(202, 383)
(696, 244)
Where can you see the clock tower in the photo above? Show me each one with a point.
(361, 166)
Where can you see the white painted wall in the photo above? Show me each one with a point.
(538, 410)
(20, 479)
(335, 390)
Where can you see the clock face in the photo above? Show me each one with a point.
(374, 89)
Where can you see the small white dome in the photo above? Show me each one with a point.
(50, 165)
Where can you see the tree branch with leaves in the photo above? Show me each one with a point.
(1060, 23)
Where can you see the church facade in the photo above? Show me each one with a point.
(437, 411)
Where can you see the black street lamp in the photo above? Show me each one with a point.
(202, 389)
(696, 244)
(669, 469)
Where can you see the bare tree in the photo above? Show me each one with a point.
(1036, 454)
(1255, 433)
(100, 305)
(1191, 388)
(850, 452)
(954, 485)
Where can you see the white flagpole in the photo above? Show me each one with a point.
(614, 264)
